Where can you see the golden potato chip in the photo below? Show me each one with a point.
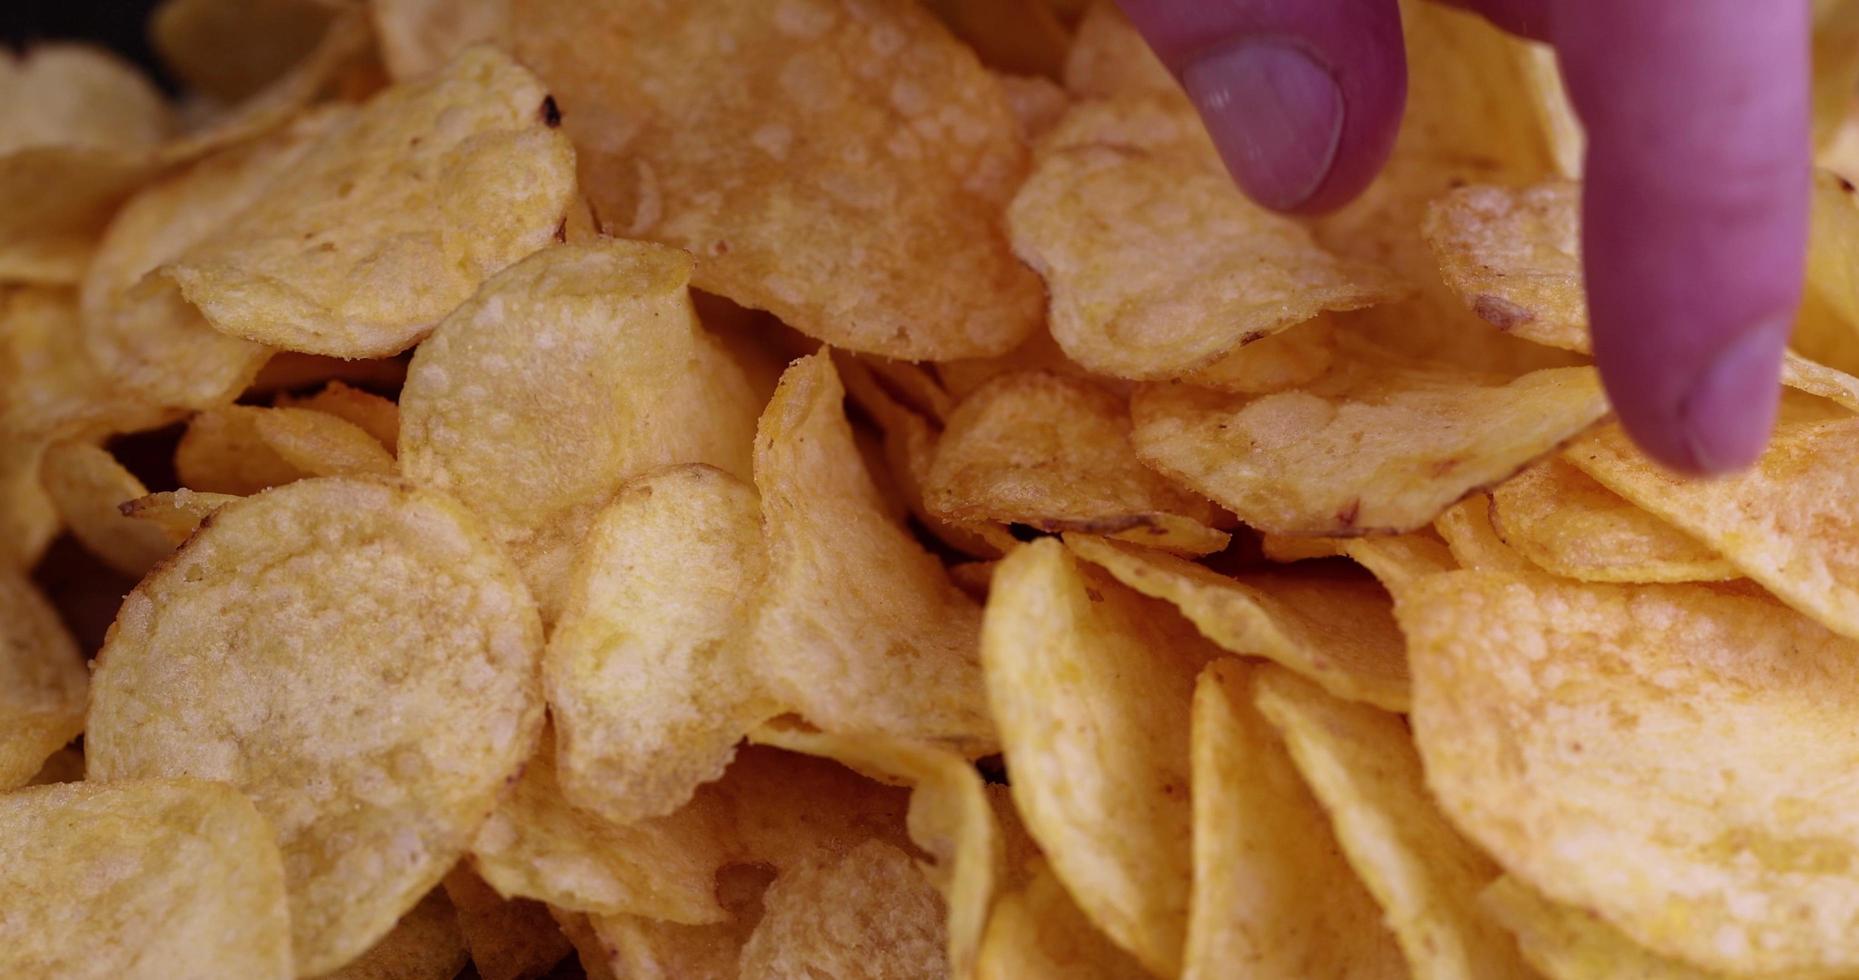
(1562, 520)
(418, 36)
(176, 513)
(1040, 352)
(89, 487)
(361, 661)
(1108, 59)
(1271, 889)
(230, 50)
(1039, 933)
(56, 261)
(1037, 103)
(424, 945)
(42, 680)
(377, 416)
(1090, 684)
(867, 913)
(1336, 630)
(624, 946)
(1474, 542)
(647, 671)
(290, 370)
(1395, 560)
(28, 521)
(509, 939)
(488, 416)
(144, 879)
(1379, 444)
(858, 628)
(1565, 943)
(321, 444)
(222, 452)
(77, 96)
(841, 164)
(1835, 58)
(1156, 264)
(1287, 359)
(1054, 453)
(911, 384)
(1783, 523)
(1563, 724)
(1827, 327)
(393, 218)
(1022, 36)
(50, 388)
(1360, 764)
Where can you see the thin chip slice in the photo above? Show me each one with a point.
(418, 36)
(1090, 684)
(867, 913)
(1379, 445)
(1108, 58)
(1565, 943)
(509, 939)
(1037, 103)
(1361, 765)
(1395, 560)
(1271, 888)
(1287, 359)
(89, 487)
(424, 945)
(1467, 528)
(356, 657)
(142, 879)
(321, 444)
(1054, 453)
(613, 947)
(223, 452)
(1563, 521)
(393, 218)
(1783, 522)
(176, 513)
(1561, 723)
(842, 164)
(42, 680)
(377, 416)
(1039, 933)
(1827, 327)
(77, 95)
(1334, 629)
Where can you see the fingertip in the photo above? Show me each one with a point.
(1723, 420)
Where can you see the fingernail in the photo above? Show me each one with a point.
(1727, 415)
(1276, 115)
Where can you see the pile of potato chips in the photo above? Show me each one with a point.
(848, 488)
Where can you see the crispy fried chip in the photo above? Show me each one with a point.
(1395, 560)
(393, 218)
(321, 444)
(89, 487)
(624, 946)
(424, 945)
(177, 513)
(1565, 943)
(49, 386)
(361, 661)
(1039, 933)
(509, 939)
(868, 913)
(1562, 724)
(418, 36)
(1037, 103)
(1108, 58)
(75, 95)
(841, 163)
(230, 49)
(1360, 764)
(1286, 359)
(1336, 630)
(42, 680)
(1467, 528)
(1562, 520)
(1054, 453)
(1090, 684)
(377, 416)
(1377, 445)
(1827, 328)
(1271, 888)
(223, 452)
(1784, 523)
(143, 879)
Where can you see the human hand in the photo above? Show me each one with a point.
(1695, 198)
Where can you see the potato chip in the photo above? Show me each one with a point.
(1378, 445)
(868, 913)
(960, 378)
(393, 218)
(321, 444)
(1360, 764)
(360, 660)
(1090, 684)
(424, 945)
(418, 36)
(1009, 35)
(647, 672)
(913, 385)
(222, 452)
(1336, 630)
(42, 680)
(1395, 560)
(1827, 327)
(77, 96)
(230, 50)
(377, 416)
(1053, 453)
(28, 521)
(1562, 520)
(509, 939)
(1039, 933)
(1286, 359)
(626, 946)
(840, 163)
(89, 487)
(290, 370)
(55, 261)
(858, 628)
(1271, 889)
(1562, 724)
(147, 878)
(1468, 531)
(1037, 103)
(1108, 58)
(49, 386)
(1565, 943)
(177, 514)
(1835, 58)
(1783, 523)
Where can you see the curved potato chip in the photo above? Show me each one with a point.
(613, 947)
(1287, 359)
(89, 487)
(1090, 684)
(1562, 520)
(646, 672)
(418, 36)
(321, 444)
(1360, 764)
(42, 680)
(1827, 327)
(843, 165)
(868, 913)
(1037, 103)
(1338, 631)
(1395, 560)
(1108, 59)
(1378, 445)
(424, 945)
(1566, 943)
(1271, 888)
(1053, 452)
(509, 939)
(960, 378)
(223, 453)
(49, 386)
(1039, 933)
(230, 50)
(858, 628)
(77, 95)
(290, 370)
(359, 660)
(1783, 522)
(142, 879)
(393, 218)
(176, 513)
(1562, 723)
(377, 416)
(1474, 542)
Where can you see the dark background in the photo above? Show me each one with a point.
(120, 25)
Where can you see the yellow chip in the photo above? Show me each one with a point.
(1360, 764)
(223, 452)
(42, 680)
(1090, 684)
(1054, 453)
(361, 661)
(509, 939)
(1562, 724)
(1336, 630)
(89, 487)
(49, 386)
(1378, 445)
(1287, 359)
(1562, 520)
(377, 416)
(28, 521)
(614, 947)
(393, 218)
(321, 444)
(1039, 933)
(647, 672)
(1827, 328)
(176, 513)
(868, 913)
(1037, 103)
(230, 50)
(142, 879)
(75, 95)
(1565, 943)
(1395, 560)
(424, 945)
(1467, 528)
(1271, 888)
(960, 378)
(1108, 59)
(841, 164)
(418, 36)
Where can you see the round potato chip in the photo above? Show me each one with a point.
(1566, 943)
(89, 487)
(76, 95)
(42, 680)
(1564, 521)
(377, 416)
(361, 661)
(868, 913)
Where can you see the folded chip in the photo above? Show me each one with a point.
(42, 680)
(1467, 529)
(1563, 521)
